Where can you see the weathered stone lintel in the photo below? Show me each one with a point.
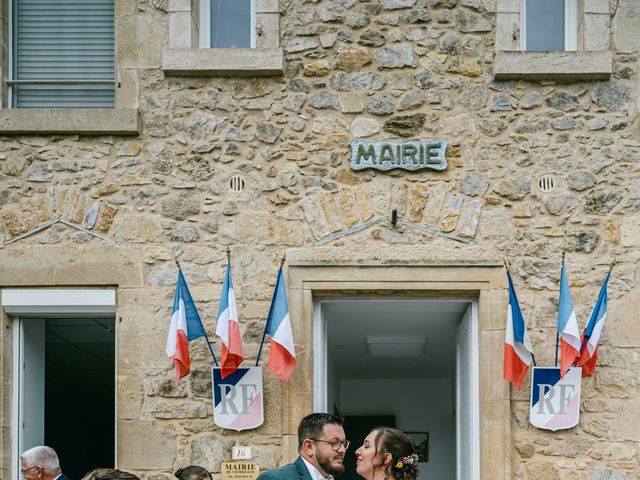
(553, 65)
(223, 62)
(83, 121)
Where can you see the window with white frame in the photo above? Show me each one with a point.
(227, 24)
(549, 25)
(62, 54)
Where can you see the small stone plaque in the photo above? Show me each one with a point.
(387, 155)
(239, 470)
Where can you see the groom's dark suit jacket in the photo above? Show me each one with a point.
(293, 471)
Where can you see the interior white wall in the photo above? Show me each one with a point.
(420, 405)
(333, 387)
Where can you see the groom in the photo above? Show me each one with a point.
(321, 445)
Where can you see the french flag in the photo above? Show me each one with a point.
(567, 326)
(228, 328)
(282, 354)
(185, 326)
(591, 335)
(518, 353)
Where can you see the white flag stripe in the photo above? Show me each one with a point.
(595, 335)
(571, 334)
(282, 336)
(178, 322)
(229, 313)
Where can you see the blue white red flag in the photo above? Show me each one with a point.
(185, 326)
(228, 328)
(567, 326)
(518, 352)
(591, 335)
(282, 354)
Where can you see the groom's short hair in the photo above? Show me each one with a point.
(312, 425)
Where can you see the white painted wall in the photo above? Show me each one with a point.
(333, 387)
(420, 405)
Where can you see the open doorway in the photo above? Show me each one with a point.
(66, 394)
(406, 362)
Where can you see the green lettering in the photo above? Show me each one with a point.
(386, 153)
(365, 154)
(409, 151)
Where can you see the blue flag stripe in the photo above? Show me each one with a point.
(600, 308)
(279, 306)
(518, 320)
(194, 323)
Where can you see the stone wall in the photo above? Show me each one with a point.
(370, 69)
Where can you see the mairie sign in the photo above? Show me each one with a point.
(238, 399)
(555, 401)
(387, 155)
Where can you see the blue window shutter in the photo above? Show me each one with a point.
(58, 40)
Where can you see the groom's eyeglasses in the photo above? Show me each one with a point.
(335, 444)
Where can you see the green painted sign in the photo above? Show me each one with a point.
(387, 155)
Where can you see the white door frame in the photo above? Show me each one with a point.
(320, 361)
(23, 304)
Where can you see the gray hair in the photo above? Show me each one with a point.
(44, 456)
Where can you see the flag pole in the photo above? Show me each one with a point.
(584, 339)
(558, 332)
(275, 290)
(215, 362)
(506, 265)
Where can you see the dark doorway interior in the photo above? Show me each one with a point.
(357, 427)
(80, 393)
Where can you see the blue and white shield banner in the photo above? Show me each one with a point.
(555, 402)
(238, 399)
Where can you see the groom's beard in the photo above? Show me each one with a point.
(335, 468)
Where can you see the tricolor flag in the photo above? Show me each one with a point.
(567, 326)
(282, 354)
(228, 328)
(518, 353)
(591, 335)
(185, 326)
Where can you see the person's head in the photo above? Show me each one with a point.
(193, 472)
(322, 442)
(39, 463)
(109, 474)
(387, 453)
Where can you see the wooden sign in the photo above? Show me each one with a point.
(239, 470)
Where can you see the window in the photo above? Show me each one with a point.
(227, 24)
(553, 39)
(63, 54)
(218, 38)
(549, 25)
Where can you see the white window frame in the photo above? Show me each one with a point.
(570, 25)
(205, 24)
(34, 303)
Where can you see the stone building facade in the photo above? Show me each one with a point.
(543, 154)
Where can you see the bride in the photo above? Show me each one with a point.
(387, 454)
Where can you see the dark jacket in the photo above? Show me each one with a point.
(293, 471)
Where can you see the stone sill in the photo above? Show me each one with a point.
(83, 121)
(223, 62)
(594, 65)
